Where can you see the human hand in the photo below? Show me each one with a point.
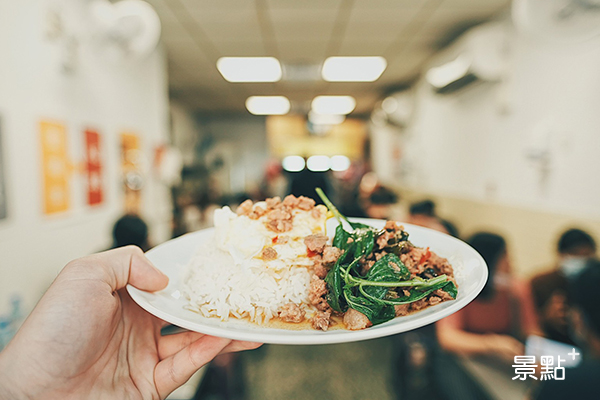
(504, 347)
(87, 339)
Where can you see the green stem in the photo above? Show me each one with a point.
(412, 283)
(331, 207)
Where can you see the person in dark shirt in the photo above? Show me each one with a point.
(550, 289)
(581, 382)
(130, 229)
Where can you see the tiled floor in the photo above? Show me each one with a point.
(361, 370)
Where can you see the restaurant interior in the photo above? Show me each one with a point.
(469, 117)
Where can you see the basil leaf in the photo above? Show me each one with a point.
(334, 288)
(451, 289)
(362, 304)
(365, 241)
(387, 313)
(383, 269)
(340, 240)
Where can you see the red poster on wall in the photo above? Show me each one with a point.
(93, 167)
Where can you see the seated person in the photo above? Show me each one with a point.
(501, 315)
(380, 202)
(550, 289)
(580, 382)
(130, 230)
(423, 213)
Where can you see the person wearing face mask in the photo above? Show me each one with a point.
(549, 290)
(581, 382)
(502, 315)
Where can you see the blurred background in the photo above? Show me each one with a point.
(130, 122)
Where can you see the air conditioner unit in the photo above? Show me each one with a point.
(478, 55)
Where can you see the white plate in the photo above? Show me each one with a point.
(172, 256)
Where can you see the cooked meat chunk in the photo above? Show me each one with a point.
(401, 309)
(245, 208)
(273, 202)
(318, 289)
(433, 300)
(316, 293)
(305, 203)
(321, 320)
(279, 220)
(419, 260)
(380, 254)
(419, 304)
(320, 269)
(366, 266)
(383, 239)
(291, 313)
(315, 212)
(316, 243)
(257, 212)
(356, 320)
(269, 254)
(443, 295)
(331, 254)
(392, 226)
(290, 201)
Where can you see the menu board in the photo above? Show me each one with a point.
(55, 167)
(93, 167)
(2, 180)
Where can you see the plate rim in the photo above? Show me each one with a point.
(290, 337)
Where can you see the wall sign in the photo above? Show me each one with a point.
(56, 168)
(93, 167)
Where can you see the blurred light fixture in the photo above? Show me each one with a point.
(268, 105)
(293, 163)
(340, 163)
(448, 73)
(325, 119)
(336, 105)
(389, 105)
(353, 69)
(250, 69)
(318, 163)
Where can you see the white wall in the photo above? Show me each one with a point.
(241, 140)
(473, 144)
(109, 97)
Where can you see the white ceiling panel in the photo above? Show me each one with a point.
(406, 32)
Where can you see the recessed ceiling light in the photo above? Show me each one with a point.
(340, 163)
(337, 105)
(353, 69)
(249, 69)
(268, 105)
(318, 163)
(293, 163)
(325, 119)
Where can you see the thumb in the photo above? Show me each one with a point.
(129, 265)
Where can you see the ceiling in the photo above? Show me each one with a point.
(300, 32)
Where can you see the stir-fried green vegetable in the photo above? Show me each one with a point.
(386, 284)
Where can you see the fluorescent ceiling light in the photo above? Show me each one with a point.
(318, 163)
(268, 105)
(353, 69)
(325, 119)
(450, 72)
(337, 105)
(340, 163)
(249, 69)
(293, 163)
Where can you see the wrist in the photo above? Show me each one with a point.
(10, 386)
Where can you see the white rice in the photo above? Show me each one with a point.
(216, 287)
